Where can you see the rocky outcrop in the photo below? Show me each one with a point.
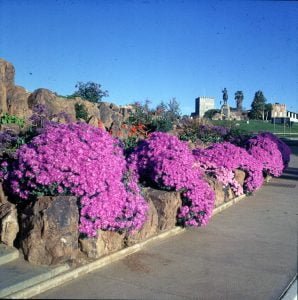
(166, 204)
(240, 176)
(105, 243)
(7, 73)
(218, 190)
(49, 230)
(149, 229)
(9, 226)
(17, 102)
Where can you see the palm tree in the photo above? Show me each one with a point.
(239, 99)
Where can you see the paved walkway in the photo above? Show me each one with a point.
(248, 251)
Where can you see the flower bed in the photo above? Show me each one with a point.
(88, 165)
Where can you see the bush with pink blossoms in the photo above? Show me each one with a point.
(222, 159)
(81, 160)
(282, 147)
(265, 147)
(163, 161)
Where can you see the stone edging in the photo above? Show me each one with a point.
(101, 262)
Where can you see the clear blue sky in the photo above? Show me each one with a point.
(154, 49)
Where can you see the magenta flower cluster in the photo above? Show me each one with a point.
(165, 162)
(221, 161)
(81, 160)
(270, 151)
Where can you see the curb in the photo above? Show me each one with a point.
(10, 290)
(71, 274)
(11, 255)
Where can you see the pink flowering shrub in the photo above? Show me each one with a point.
(282, 147)
(163, 161)
(222, 159)
(81, 160)
(266, 148)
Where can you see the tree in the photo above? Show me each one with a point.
(173, 109)
(90, 91)
(268, 110)
(258, 106)
(239, 99)
(210, 113)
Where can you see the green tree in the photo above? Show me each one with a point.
(258, 106)
(90, 91)
(268, 110)
(173, 110)
(210, 113)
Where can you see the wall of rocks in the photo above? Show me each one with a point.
(47, 232)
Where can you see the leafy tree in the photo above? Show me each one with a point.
(173, 110)
(268, 109)
(90, 91)
(210, 113)
(258, 106)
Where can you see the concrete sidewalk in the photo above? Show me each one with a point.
(248, 251)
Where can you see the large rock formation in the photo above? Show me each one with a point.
(149, 229)
(17, 101)
(7, 73)
(166, 204)
(9, 226)
(49, 230)
(105, 243)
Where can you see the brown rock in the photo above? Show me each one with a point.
(17, 101)
(3, 98)
(49, 230)
(9, 226)
(149, 229)
(7, 72)
(107, 242)
(218, 189)
(229, 194)
(240, 176)
(166, 204)
(93, 121)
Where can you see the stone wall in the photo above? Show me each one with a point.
(47, 231)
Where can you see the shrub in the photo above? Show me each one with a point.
(12, 119)
(81, 160)
(164, 162)
(81, 112)
(222, 159)
(264, 147)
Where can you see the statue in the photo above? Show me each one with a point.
(225, 96)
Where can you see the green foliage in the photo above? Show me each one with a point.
(81, 112)
(173, 110)
(162, 124)
(12, 119)
(141, 114)
(258, 106)
(90, 91)
(210, 113)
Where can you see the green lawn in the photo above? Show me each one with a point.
(255, 126)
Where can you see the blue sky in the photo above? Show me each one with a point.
(155, 50)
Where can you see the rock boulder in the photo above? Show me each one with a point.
(166, 204)
(49, 230)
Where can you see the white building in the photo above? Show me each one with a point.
(203, 104)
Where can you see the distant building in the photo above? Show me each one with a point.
(279, 114)
(203, 104)
(278, 110)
